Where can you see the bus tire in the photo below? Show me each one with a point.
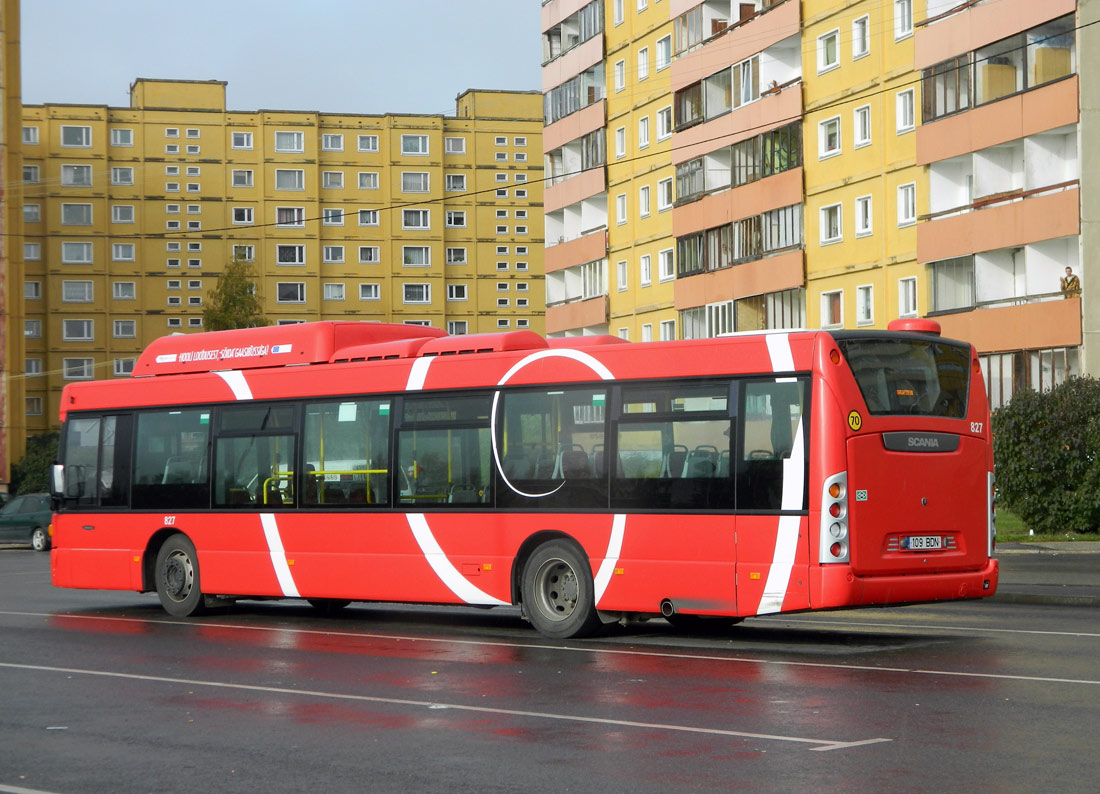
(177, 578)
(558, 594)
(40, 539)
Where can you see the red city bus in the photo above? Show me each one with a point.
(586, 479)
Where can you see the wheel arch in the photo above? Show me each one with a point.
(149, 558)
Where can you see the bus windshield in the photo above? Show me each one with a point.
(910, 376)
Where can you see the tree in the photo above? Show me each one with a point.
(31, 474)
(1046, 450)
(235, 303)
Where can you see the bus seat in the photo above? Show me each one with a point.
(673, 463)
(463, 493)
(574, 464)
(724, 463)
(334, 495)
(518, 465)
(178, 470)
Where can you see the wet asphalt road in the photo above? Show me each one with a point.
(103, 692)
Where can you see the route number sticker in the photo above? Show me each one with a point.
(855, 421)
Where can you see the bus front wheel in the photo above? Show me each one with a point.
(177, 578)
(558, 594)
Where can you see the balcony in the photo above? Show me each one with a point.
(588, 313)
(775, 107)
(576, 188)
(771, 274)
(1027, 326)
(753, 198)
(587, 248)
(575, 125)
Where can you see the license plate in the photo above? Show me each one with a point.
(922, 542)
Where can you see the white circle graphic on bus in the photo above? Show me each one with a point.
(576, 355)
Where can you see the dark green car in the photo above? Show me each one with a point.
(26, 519)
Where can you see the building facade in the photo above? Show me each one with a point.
(12, 411)
(835, 165)
(130, 214)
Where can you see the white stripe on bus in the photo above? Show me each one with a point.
(234, 378)
(278, 555)
(444, 568)
(611, 559)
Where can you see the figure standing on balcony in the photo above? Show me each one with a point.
(1071, 285)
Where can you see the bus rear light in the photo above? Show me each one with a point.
(833, 541)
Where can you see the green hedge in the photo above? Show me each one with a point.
(1046, 449)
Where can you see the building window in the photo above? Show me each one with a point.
(618, 12)
(643, 132)
(621, 276)
(30, 175)
(368, 143)
(242, 178)
(241, 140)
(643, 201)
(861, 125)
(32, 213)
(172, 148)
(290, 292)
(243, 215)
(32, 329)
(332, 216)
(368, 217)
(32, 252)
(333, 253)
(620, 142)
(122, 176)
(333, 292)
(643, 63)
(331, 142)
(456, 292)
(30, 136)
(456, 256)
(907, 204)
(175, 322)
(503, 323)
(861, 37)
(831, 231)
(456, 218)
(332, 180)
(832, 309)
(864, 222)
(368, 180)
(290, 179)
(122, 252)
(905, 111)
(171, 187)
(903, 18)
(76, 214)
(415, 182)
(194, 246)
(865, 304)
(290, 254)
(77, 292)
(455, 183)
(194, 322)
(907, 297)
(415, 219)
(620, 209)
(416, 255)
(171, 132)
(828, 51)
(125, 329)
(416, 293)
(645, 275)
(76, 176)
(124, 367)
(666, 264)
(620, 75)
(76, 253)
(414, 145)
(454, 146)
(458, 327)
(193, 148)
(828, 137)
(664, 52)
(194, 170)
(76, 137)
(77, 330)
(369, 255)
(32, 290)
(244, 253)
(78, 368)
(370, 292)
(290, 141)
(194, 300)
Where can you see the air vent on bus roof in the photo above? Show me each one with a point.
(399, 348)
(272, 346)
(483, 343)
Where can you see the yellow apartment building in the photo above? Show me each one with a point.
(12, 409)
(130, 214)
(864, 189)
(640, 173)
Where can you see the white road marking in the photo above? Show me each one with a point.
(966, 629)
(821, 744)
(699, 657)
(19, 790)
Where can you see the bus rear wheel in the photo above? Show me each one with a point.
(177, 578)
(558, 594)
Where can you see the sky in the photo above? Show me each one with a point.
(336, 56)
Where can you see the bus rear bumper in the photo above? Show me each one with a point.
(839, 587)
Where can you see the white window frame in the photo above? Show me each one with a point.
(293, 141)
(86, 137)
(457, 292)
(370, 255)
(823, 223)
(427, 293)
(645, 270)
(332, 216)
(823, 62)
(122, 175)
(333, 291)
(823, 152)
(245, 140)
(82, 291)
(620, 76)
(421, 219)
(643, 132)
(410, 180)
(455, 183)
(825, 301)
(455, 219)
(663, 50)
(300, 254)
(332, 142)
(332, 254)
(301, 290)
(864, 216)
(299, 178)
(907, 204)
(861, 123)
(861, 36)
(332, 180)
(243, 216)
(643, 201)
(903, 19)
(905, 111)
(643, 63)
(123, 252)
(453, 256)
(865, 305)
(78, 330)
(907, 293)
(368, 180)
(368, 217)
(242, 177)
(664, 123)
(124, 329)
(424, 250)
(407, 150)
(622, 275)
(370, 291)
(454, 145)
(620, 209)
(78, 368)
(367, 143)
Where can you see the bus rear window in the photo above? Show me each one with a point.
(910, 376)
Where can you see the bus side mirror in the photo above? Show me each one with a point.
(57, 480)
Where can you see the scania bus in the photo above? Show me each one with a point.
(587, 480)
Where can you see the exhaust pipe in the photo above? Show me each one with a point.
(667, 608)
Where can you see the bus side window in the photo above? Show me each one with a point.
(169, 464)
(772, 422)
(345, 449)
(444, 451)
(97, 460)
(551, 448)
(255, 455)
